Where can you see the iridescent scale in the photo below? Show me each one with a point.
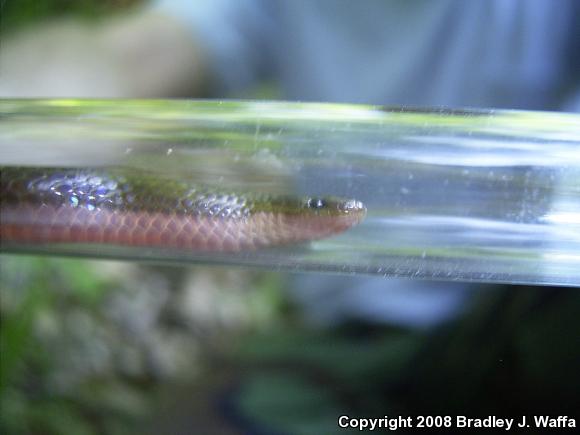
(96, 191)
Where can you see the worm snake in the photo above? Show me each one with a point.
(130, 207)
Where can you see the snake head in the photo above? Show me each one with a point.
(315, 218)
(296, 219)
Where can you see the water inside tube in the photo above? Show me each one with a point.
(488, 196)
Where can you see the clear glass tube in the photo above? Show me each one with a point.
(470, 195)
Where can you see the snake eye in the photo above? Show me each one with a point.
(316, 203)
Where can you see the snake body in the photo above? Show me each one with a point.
(134, 208)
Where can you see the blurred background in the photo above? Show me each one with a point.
(103, 347)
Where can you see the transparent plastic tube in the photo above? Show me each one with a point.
(471, 195)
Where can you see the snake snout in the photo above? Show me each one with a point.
(353, 206)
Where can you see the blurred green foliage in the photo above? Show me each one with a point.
(514, 352)
(18, 13)
(35, 290)
(55, 318)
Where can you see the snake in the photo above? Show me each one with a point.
(134, 207)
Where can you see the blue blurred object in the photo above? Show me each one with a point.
(422, 304)
(483, 53)
(522, 54)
